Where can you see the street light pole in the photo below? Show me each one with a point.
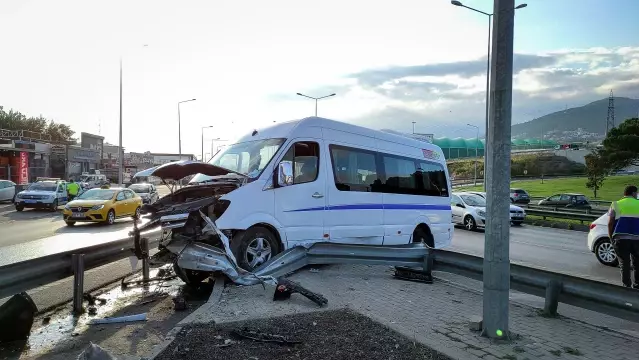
(204, 127)
(414, 127)
(496, 269)
(180, 127)
(476, 154)
(490, 16)
(315, 98)
(120, 151)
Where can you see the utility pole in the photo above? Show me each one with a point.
(610, 120)
(414, 127)
(497, 236)
(120, 151)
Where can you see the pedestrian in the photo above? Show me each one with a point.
(72, 189)
(623, 229)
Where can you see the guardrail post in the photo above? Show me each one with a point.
(145, 261)
(428, 262)
(553, 289)
(78, 283)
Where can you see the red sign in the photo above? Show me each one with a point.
(23, 170)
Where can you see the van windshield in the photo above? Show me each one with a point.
(248, 158)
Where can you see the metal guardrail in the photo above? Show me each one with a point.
(30, 274)
(582, 217)
(597, 212)
(554, 287)
(588, 294)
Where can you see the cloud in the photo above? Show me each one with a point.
(446, 96)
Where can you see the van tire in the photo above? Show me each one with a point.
(422, 236)
(251, 238)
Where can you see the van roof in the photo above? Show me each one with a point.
(287, 127)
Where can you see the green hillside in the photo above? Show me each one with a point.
(590, 117)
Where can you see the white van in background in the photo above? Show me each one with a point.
(318, 180)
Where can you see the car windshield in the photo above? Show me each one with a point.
(84, 179)
(473, 200)
(97, 194)
(140, 189)
(248, 158)
(43, 186)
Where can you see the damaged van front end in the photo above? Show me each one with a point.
(191, 241)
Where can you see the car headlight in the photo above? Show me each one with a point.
(97, 207)
(51, 197)
(481, 213)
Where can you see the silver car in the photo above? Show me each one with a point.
(7, 190)
(468, 209)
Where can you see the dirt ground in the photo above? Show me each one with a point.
(57, 335)
(322, 335)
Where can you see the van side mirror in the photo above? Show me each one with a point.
(285, 173)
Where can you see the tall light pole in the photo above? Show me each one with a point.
(316, 98)
(459, 3)
(120, 151)
(414, 127)
(476, 153)
(180, 127)
(204, 127)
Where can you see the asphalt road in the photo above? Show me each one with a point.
(563, 251)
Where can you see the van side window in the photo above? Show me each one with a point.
(354, 169)
(400, 175)
(433, 179)
(305, 158)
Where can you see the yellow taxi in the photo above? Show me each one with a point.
(103, 205)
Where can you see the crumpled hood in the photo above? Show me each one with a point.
(180, 169)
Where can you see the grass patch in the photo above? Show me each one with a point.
(612, 187)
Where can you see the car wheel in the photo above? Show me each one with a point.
(19, 208)
(469, 223)
(136, 215)
(54, 205)
(254, 247)
(70, 223)
(517, 223)
(605, 253)
(110, 220)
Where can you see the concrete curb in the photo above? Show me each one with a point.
(214, 299)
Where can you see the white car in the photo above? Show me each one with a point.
(7, 190)
(468, 209)
(517, 214)
(599, 242)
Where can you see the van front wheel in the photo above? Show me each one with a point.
(254, 247)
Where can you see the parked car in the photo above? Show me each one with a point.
(519, 196)
(103, 205)
(469, 210)
(148, 192)
(517, 214)
(578, 201)
(599, 242)
(7, 190)
(46, 193)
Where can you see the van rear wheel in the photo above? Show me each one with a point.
(254, 247)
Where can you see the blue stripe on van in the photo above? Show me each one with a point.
(376, 207)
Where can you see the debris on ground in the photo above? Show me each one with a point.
(285, 288)
(314, 270)
(95, 352)
(92, 310)
(119, 319)
(412, 274)
(179, 302)
(263, 337)
(16, 317)
(338, 334)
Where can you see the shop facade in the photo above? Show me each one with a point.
(22, 161)
(81, 160)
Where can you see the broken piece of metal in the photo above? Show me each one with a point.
(120, 319)
(285, 288)
(263, 337)
(413, 274)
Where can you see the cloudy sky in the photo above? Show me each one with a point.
(390, 63)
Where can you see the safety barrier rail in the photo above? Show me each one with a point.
(30, 274)
(555, 287)
(581, 217)
(597, 212)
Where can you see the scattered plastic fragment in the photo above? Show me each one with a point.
(263, 337)
(287, 287)
(120, 319)
(95, 352)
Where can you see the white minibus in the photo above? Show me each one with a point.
(319, 180)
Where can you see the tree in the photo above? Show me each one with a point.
(14, 120)
(597, 167)
(621, 146)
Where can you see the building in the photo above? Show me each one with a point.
(163, 158)
(21, 161)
